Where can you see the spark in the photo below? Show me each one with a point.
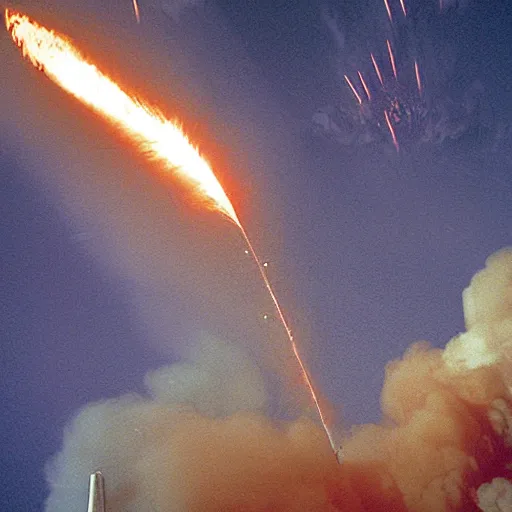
(159, 138)
(391, 58)
(366, 90)
(402, 4)
(265, 264)
(377, 70)
(353, 89)
(386, 3)
(391, 130)
(418, 77)
(136, 10)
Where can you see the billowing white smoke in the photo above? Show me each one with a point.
(202, 442)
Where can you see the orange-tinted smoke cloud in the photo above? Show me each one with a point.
(202, 442)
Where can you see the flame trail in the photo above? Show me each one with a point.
(360, 101)
(366, 90)
(388, 9)
(377, 70)
(136, 10)
(418, 77)
(392, 58)
(392, 131)
(160, 138)
(292, 341)
(402, 4)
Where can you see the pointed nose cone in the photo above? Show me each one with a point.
(96, 493)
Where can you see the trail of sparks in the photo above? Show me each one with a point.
(418, 77)
(366, 90)
(402, 5)
(359, 100)
(158, 137)
(289, 333)
(136, 10)
(388, 9)
(392, 59)
(392, 131)
(377, 70)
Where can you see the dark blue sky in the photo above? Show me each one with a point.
(373, 248)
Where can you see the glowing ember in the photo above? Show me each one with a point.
(391, 130)
(136, 10)
(156, 136)
(418, 77)
(353, 89)
(377, 70)
(402, 4)
(388, 10)
(391, 58)
(366, 89)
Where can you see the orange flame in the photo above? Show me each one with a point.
(162, 139)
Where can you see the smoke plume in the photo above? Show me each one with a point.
(200, 439)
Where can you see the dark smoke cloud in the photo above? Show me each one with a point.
(200, 441)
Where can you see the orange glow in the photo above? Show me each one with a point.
(359, 100)
(388, 9)
(391, 58)
(418, 77)
(162, 140)
(391, 130)
(377, 70)
(136, 10)
(366, 90)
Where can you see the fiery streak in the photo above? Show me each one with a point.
(158, 137)
(402, 4)
(391, 130)
(366, 90)
(418, 77)
(391, 58)
(279, 310)
(377, 70)
(353, 89)
(136, 10)
(388, 9)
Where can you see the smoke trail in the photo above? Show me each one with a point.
(202, 442)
